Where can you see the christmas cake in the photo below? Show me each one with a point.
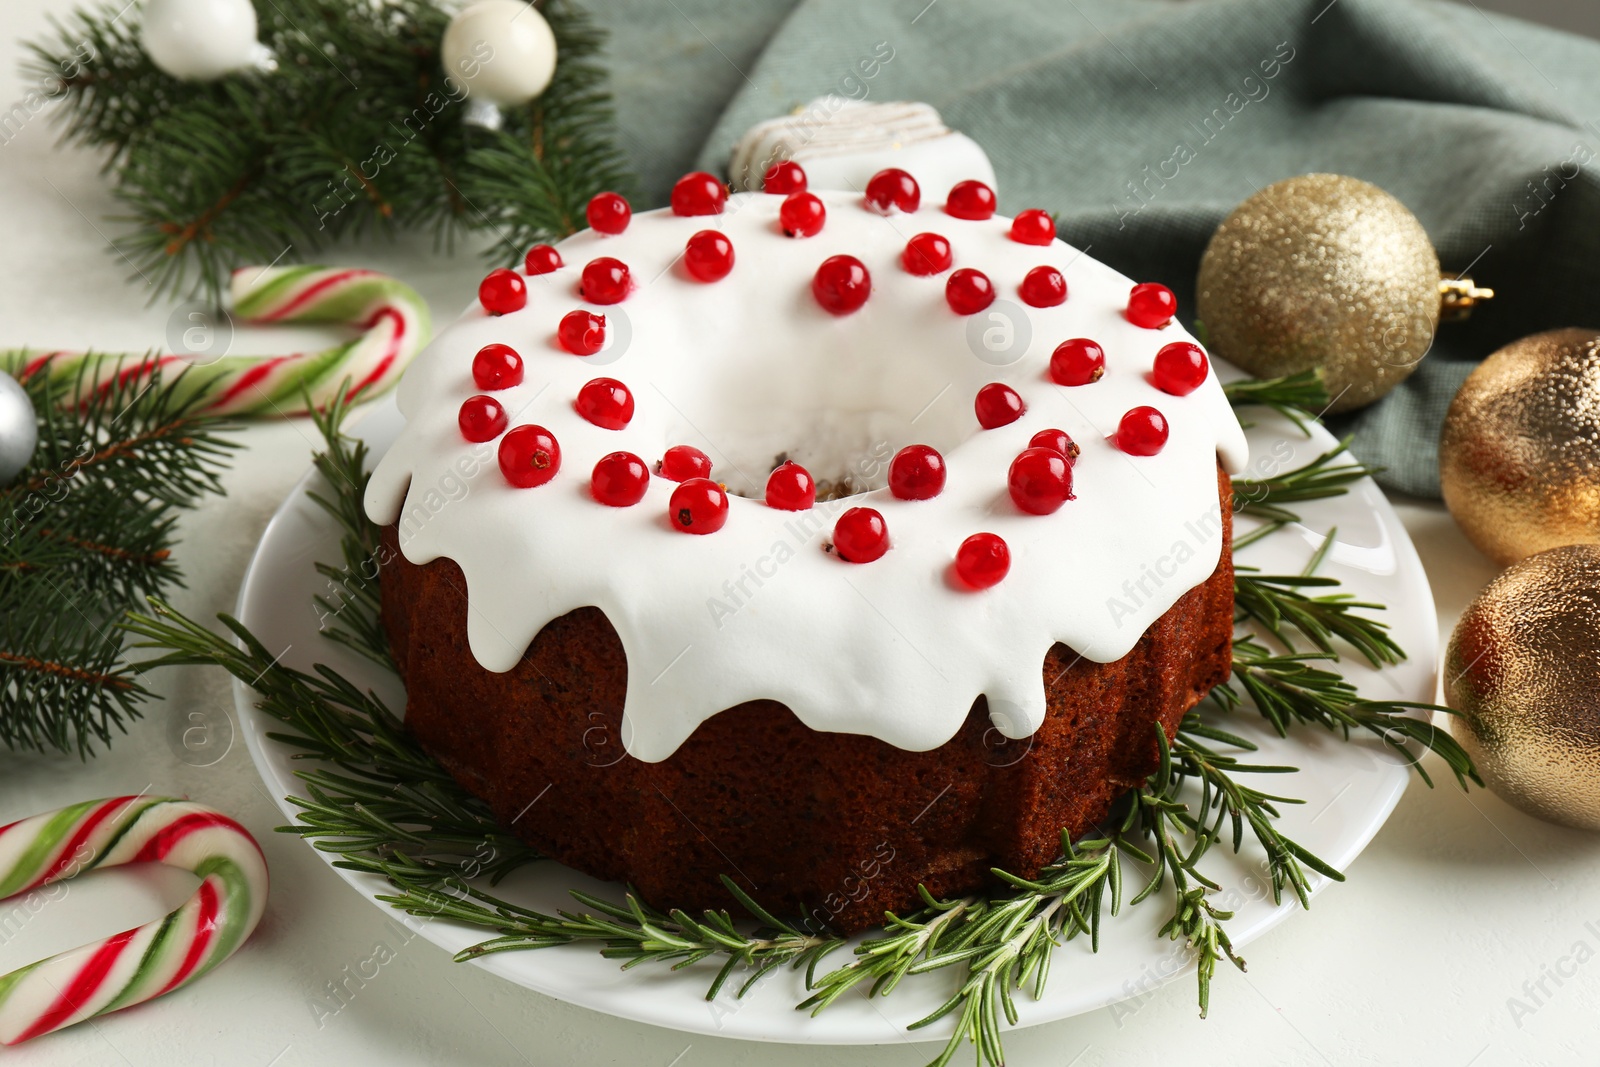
(836, 543)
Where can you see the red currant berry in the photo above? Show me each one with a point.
(841, 284)
(925, 254)
(496, 367)
(968, 291)
(1180, 368)
(682, 462)
(619, 480)
(606, 281)
(605, 402)
(860, 535)
(583, 333)
(1033, 227)
(784, 177)
(698, 193)
(1142, 432)
(609, 213)
(1151, 305)
(481, 419)
(916, 473)
(502, 292)
(1056, 441)
(708, 256)
(982, 560)
(970, 200)
(802, 215)
(698, 506)
(791, 488)
(529, 456)
(1040, 480)
(998, 405)
(542, 259)
(1077, 362)
(893, 189)
(1043, 287)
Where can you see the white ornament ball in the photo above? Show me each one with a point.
(199, 40)
(19, 428)
(500, 51)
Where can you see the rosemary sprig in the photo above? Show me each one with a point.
(1301, 397)
(1240, 805)
(354, 585)
(1266, 497)
(1277, 603)
(377, 793)
(1159, 815)
(1287, 689)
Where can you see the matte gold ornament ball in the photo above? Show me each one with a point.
(1523, 670)
(1322, 271)
(1519, 459)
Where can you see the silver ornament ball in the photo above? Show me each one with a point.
(19, 428)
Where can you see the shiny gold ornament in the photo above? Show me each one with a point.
(1326, 271)
(1519, 461)
(1523, 670)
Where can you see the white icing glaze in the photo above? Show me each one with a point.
(751, 366)
(843, 142)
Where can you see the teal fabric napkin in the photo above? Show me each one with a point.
(1486, 127)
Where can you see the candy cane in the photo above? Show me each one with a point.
(147, 961)
(393, 318)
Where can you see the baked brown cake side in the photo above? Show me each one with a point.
(836, 827)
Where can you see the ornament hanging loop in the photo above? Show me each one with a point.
(1459, 296)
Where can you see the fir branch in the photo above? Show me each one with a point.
(86, 532)
(358, 129)
(68, 690)
(1301, 397)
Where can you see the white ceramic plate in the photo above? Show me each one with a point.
(1349, 788)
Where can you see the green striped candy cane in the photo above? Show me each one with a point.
(392, 320)
(143, 963)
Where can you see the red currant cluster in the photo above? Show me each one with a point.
(842, 283)
(1040, 478)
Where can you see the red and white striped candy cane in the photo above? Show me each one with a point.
(139, 964)
(392, 317)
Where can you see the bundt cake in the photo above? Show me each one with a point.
(832, 542)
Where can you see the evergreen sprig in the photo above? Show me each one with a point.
(86, 532)
(1269, 498)
(1301, 397)
(383, 807)
(1288, 689)
(1277, 603)
(357, 129)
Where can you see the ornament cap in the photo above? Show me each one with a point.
(1458, 297)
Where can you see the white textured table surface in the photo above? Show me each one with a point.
(1456, 905)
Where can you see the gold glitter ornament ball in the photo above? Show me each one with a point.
(1519, 460)
(1322, 271)
(1523, 670)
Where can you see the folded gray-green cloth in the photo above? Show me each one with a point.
(1486, 127)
